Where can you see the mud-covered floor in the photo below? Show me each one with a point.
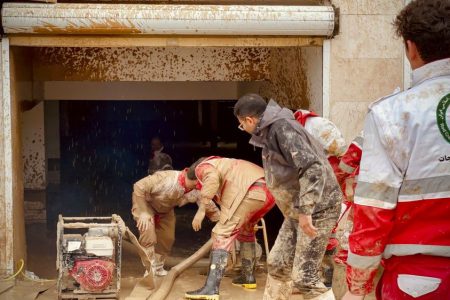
(41, 249)
(41, 246)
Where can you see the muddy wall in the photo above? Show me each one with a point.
(291, 75)
(33, 151)
(151, 64)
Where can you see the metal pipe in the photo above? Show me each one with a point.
(152, 19)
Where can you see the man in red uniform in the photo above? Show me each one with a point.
(402, 199)
(347, 176)
(239, 188)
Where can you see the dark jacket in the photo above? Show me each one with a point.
(296, 168)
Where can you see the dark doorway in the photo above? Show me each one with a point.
(105, 147)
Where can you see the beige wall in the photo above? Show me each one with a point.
(366, 60)
(5, 211)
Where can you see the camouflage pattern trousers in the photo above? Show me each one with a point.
(295, 259)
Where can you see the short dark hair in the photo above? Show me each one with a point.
(250, 105)
(191, 171)
(427, 24)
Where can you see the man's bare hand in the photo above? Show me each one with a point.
(198, 218)
(350, 296)
(305, 223)
(144, 221)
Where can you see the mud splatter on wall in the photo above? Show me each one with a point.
(282, 70)
(151, 64)
(287, 82)
(33, 152)
(3, 233)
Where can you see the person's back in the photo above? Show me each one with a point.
(239, 188)
(402, 199)
(323, 130)
(418, 154)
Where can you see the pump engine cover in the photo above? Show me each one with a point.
(93, 275)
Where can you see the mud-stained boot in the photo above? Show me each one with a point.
(277, 289)
(158, 268)
(210, 291)
(248, 258)
(328, 295)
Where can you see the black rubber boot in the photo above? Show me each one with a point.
(248, 259)
(210, 291)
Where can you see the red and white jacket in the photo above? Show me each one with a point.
(402, 200)
(325, 132)
(349, 167)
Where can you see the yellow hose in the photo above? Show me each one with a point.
(22, 263)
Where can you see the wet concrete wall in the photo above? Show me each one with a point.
(366, 60)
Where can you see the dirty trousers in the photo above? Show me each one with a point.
(160, 234)
(297, 257)
(241, 225)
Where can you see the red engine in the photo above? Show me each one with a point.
(93, 275)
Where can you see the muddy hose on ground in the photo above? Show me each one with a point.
(166, 285)
(128, 235)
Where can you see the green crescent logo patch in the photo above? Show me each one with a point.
(441, 116)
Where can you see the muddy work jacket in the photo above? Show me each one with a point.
(402, 199)
(228, 181)
(161, 192)
(296, 168)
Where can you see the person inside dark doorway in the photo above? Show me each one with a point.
(158, 159)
